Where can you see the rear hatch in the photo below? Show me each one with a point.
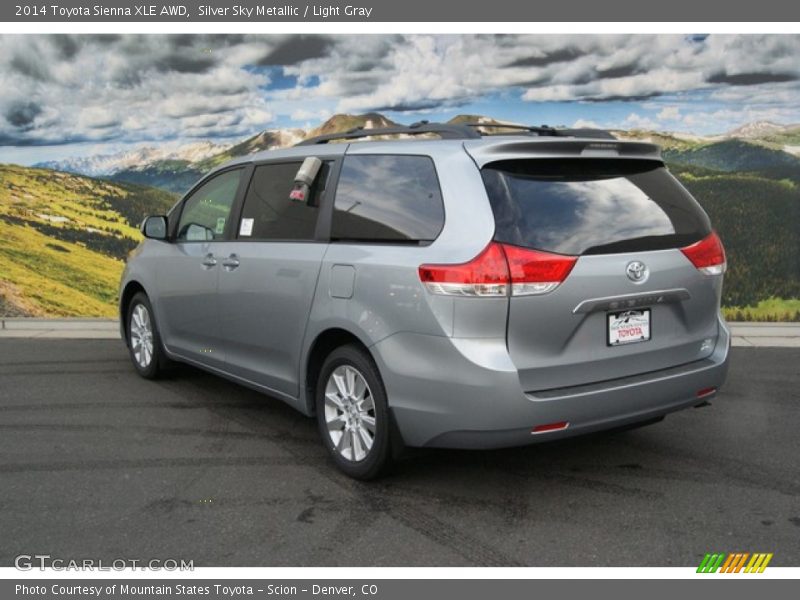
(643, 290)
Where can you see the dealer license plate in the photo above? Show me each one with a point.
(628, 327)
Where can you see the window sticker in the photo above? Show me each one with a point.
(220, 229)
(246, 228)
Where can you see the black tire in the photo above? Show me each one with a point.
(379, 456)
(158, 362)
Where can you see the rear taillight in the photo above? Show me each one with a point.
(500, 270)
(534, 272)
(708, 255)
(484, 275)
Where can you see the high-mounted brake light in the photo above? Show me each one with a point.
(707, 255)
(500, 270)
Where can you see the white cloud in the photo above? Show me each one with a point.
(637, 121)
(88, 88)
(134, 88)
(669, 113)
(301, 114)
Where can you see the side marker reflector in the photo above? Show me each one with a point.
(550, 427)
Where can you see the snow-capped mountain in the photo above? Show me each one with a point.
(757, 129)
(176, 167)
(266, 140)
(135, 165)
(107, 164)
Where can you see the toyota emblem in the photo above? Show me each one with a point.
(636, 271)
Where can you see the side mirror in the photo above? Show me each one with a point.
(155, 227)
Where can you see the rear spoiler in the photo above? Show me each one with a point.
(485, 151)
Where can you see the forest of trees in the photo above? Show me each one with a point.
(758, 219)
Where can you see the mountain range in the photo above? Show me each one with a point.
(178, 168)
(760, 146)
(103, 165)
(67, 226)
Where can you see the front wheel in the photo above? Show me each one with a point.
(144, 342)
(352, 413)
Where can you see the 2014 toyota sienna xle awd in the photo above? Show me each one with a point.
(452, 289)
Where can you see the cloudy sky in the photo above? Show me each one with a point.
(75, 95)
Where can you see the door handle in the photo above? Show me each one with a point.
(209, 261)
(230, 263)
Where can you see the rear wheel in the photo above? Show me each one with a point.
(144, 342)
(352, 413)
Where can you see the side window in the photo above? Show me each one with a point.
(205, 214)
(269, 214)
(387, 198)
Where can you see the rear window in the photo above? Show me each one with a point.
(588, 206)
(385, 198)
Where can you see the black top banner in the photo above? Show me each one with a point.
(405, 11)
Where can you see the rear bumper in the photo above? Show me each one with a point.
(452, 393)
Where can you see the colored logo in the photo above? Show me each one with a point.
(736, 562)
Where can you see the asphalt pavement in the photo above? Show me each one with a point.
(96, 462)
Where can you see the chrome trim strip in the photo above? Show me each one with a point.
(626, 301)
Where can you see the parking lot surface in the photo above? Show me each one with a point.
(98, 463)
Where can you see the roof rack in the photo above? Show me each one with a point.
(546, 130)
(444, 130)
(449, 131)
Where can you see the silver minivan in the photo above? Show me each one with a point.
(444, 288)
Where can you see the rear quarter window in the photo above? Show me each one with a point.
(590, 206)
(387, 198)
(269, 214)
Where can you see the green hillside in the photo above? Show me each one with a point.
(758, 219)
(735, 155)
(789, 137)
(64, 240)
(175, 176)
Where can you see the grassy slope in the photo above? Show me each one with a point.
(757, 218)
(790, 137)
(174, 176)
(64, 238)
(734, 155)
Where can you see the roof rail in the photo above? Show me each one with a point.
(461, 131)
(444, 130)
(546, 130)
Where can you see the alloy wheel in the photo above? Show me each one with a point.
(141, 332)
(350, 413)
